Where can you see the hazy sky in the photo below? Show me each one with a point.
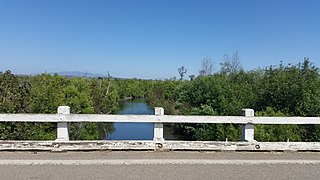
(152, 38)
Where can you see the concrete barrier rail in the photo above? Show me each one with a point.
(248, 120)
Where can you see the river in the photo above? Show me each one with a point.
(136, 131)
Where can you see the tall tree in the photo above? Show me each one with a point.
(182, 70)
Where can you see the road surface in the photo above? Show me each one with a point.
(159, 165)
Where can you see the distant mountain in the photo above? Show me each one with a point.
(78, 74)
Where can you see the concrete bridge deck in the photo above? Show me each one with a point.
(159, 165)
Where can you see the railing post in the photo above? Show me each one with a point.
(63, 127)
(248, 129)
(158, 127)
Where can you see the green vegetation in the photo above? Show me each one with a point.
(284, 90)
(291, 90)
(44, 93)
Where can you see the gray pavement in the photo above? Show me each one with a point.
(159, 165)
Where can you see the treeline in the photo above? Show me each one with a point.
(284, 90)
(44, 93)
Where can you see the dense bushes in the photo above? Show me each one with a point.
(44, 93)
(273, 91)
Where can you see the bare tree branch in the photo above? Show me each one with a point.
(231, 65)
(206, 67)
(109, 83)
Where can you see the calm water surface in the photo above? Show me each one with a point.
(136, 131)
(133, 131)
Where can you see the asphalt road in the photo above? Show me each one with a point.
(159, 165)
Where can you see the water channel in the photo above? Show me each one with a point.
(136, 131)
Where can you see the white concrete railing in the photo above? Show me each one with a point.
(248, 120)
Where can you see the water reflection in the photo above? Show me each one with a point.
(133, 131)
(137, 131)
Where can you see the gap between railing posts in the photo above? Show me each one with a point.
(63, 127)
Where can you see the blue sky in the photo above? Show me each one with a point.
(152, 38)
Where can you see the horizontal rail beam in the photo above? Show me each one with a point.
(155, 119)
(151, 145)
